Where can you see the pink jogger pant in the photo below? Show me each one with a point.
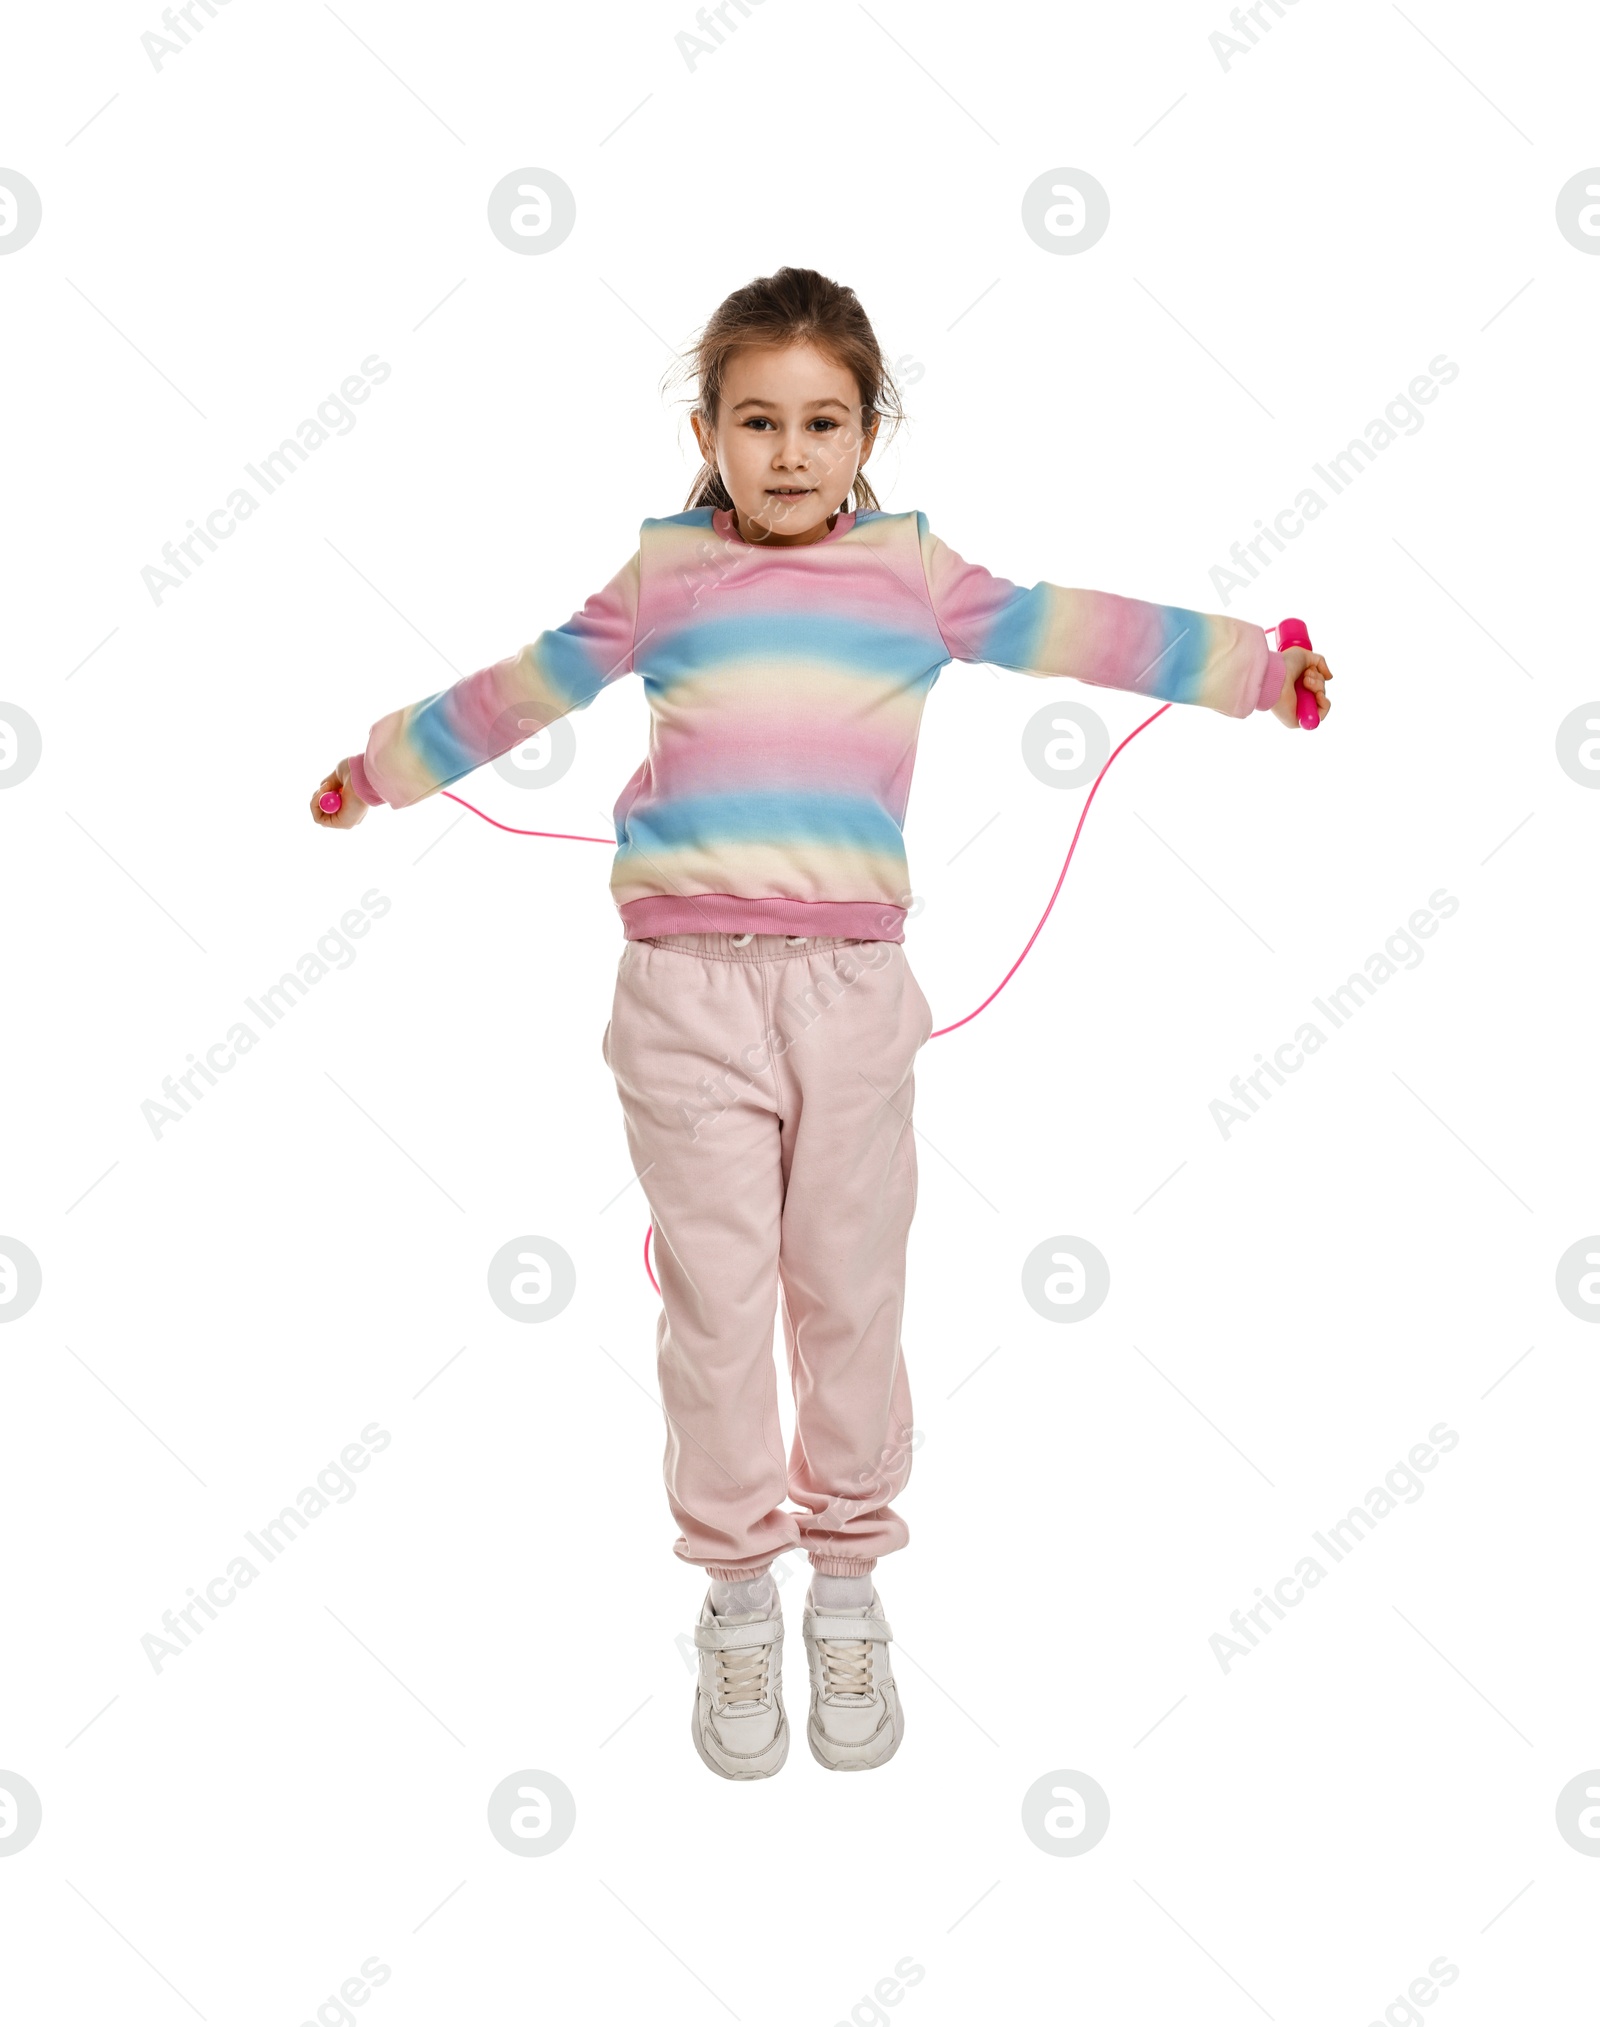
(766, 1087)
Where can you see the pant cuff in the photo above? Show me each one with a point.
(735, 1573)
(843, 1565)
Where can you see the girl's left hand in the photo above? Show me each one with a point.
(352, 808)
(1301, 663)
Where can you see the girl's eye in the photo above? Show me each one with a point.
(764, 422)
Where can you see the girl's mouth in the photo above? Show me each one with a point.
(789, 492)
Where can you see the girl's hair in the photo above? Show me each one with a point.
(794, 306)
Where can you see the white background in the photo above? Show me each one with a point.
(1293, 238)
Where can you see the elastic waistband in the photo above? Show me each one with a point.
(749, 948)
(774, 914)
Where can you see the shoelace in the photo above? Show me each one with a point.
(846, 1667)
(742, 1675)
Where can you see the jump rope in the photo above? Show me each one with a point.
(1291, 633)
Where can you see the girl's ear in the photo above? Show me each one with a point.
(702, 437)
(868, 438)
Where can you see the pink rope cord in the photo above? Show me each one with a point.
(577, 835)
(1067, 861)
(978, 1009)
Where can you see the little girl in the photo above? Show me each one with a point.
(766, 1022)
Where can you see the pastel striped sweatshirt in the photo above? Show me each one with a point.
(786, 689)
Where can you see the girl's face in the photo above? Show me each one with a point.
(788, 441)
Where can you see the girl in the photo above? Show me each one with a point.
(765, 1021)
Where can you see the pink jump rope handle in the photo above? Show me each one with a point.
(331, 803)
(1292, 634)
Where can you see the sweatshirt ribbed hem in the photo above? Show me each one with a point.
(685, 914)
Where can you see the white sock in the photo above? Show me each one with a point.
(836, 1594)
(751, 1594)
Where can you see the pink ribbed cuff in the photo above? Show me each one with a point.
(769, 914)
(1271, 680)
(360, 781)
(843, 1565)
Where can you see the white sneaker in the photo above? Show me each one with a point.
(856, 1721)
(740, 1728)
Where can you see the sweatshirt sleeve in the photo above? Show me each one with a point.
(423, 747)
(1161, 651)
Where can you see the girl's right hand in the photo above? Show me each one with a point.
(352, 809)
